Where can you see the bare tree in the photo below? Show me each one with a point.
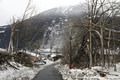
(18, 26)
(13, 28)
(96, 34)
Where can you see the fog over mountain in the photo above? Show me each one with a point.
(51, 21)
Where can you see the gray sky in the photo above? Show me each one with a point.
(10, 8)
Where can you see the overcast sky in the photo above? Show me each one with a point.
(10, 8)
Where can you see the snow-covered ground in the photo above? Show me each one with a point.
(24, 73)
(88, 74)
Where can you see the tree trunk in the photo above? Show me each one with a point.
(10, 48)
(90, 55)
(109, 50)
(70, 53)
(114, 52)
(102, 47)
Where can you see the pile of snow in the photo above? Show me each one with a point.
(24, 73)
(88, 74)
(2, 50)
(53, 55)
(30, 53)
(46, 50)
(44, 62)
(2, 31)
(48, 62)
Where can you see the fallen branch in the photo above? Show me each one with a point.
(11, 65)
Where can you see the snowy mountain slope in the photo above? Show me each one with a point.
(51, 23)
(51, 20)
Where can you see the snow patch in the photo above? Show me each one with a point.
(2, 50)
(2, 31)
(12, 74)
(30, 53)
(24, 73)
(52, 55)
(88, 74)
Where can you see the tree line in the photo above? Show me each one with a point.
(89, 41)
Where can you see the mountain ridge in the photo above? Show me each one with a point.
(50, 21)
